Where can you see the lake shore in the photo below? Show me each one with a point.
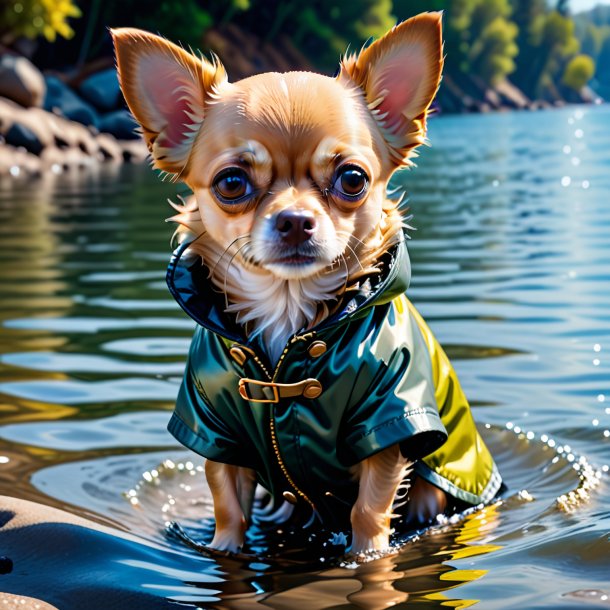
(56, 122)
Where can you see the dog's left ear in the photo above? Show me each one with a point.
(166, 89)
(399, 75)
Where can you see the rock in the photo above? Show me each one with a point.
(492, 99)
(12, 602)
(64, 133)
(56, 126)
(9, 111)
(6, 565)
(60, 97)
(70, 135)
(102, 90)
(84, 140)
(18, 163)
(539, 105)
(20, 135)
(73, 157)
(25, 127)
(109, 148)
(120, 124)
(586, 95)
(21, 81)
(134, 151)
(52, 158)
(512, 96)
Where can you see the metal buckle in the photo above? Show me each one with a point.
(243, 391)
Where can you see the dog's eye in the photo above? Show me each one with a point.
(351, 182)
(232, 185)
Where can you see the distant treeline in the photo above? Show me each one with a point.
(538, 45)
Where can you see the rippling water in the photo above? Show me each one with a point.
(511, 267)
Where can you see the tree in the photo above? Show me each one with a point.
(578, 72)
(544, 49)
(33, 18)
(492, 40)
(527, 15)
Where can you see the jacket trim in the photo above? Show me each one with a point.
(487, 495)
(177, 265)
(183, 434)
(425, 429)
(390, 285)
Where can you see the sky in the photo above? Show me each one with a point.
(584, 5)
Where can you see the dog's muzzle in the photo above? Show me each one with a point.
(269, 392)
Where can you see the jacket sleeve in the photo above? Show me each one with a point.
(399, 404)
(196, 423)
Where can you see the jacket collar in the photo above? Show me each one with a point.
(187, 279)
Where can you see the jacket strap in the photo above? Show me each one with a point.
(269, 392)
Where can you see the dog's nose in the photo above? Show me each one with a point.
(296, 226)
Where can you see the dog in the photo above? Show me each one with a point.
(310, 372)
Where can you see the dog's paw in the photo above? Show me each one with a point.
(176, 531)
(364, 544)
(358, 557)
(227, 542)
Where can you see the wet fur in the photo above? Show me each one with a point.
(291, 132)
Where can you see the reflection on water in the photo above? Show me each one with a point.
(511, 262)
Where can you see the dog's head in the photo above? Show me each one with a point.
(289, 169)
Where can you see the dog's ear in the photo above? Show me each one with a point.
(166, 89)
(399, 75)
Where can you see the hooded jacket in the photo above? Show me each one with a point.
(367, 377)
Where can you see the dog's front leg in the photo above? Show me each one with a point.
(232, 490)
(380, 476)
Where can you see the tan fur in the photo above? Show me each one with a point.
(425, 501)
(290, 134)
(232, 491)
(379, 477)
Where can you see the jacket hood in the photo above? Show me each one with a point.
(188, 281)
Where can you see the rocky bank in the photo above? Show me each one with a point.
(61, 121)
(56, 122)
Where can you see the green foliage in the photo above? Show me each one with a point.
(578, 72)
(532, 42)
(557, 33)
(375, 20)
(342, 24)
(593, 31)
(241, 5)
(479, 36)
(592, 39)
(492, 40)
(183, 21)
(546, 42)
(33, 18)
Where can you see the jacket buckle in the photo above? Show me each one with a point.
(245, 391)
(270, 392)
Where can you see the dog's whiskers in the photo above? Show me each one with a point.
(355, 256)
(350, 236)
(351, 249)
(225, 291)
(245, 236)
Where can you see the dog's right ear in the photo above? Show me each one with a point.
(399, 75)
(166, 90)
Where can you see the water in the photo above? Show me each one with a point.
(511, 262)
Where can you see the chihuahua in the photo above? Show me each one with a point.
(310, 372)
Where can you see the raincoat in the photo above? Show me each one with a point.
(367, 377)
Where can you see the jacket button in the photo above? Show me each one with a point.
(313, 389)
(317, 348)
(238, 355)
(290, 497)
